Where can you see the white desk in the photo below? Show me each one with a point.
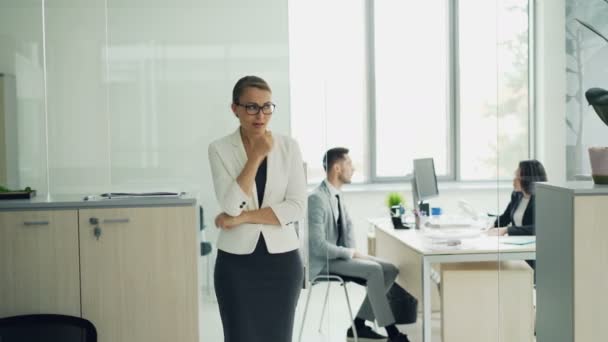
(416, 246)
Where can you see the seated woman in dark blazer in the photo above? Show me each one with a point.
(518, 217)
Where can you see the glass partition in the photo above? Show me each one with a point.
(517, 159)
(329, 109)
(448, 80)
(127, 95)
(586, 48)
(23, 108)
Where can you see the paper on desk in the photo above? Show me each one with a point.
(517, 240)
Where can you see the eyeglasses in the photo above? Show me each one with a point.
(254, 108)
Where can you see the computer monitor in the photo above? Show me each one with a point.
(424, 182)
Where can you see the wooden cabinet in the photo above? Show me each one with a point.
(131, 271)
(39, 262)
(499, 294)
(139, 276)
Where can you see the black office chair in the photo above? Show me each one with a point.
(46, 328)
(332, 278)
(206, 247)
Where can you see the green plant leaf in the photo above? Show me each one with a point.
(602, 112)
(394, 198)
(592, 29)
(598, 98)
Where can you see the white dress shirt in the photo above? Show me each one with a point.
(333, 191)
(518, 215)
(334, 201)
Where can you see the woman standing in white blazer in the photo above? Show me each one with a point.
(260, 186)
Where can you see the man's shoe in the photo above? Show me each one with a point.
(365, 334)
(400, 338)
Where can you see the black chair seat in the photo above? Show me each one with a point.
(46, 328)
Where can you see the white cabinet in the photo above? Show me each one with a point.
(131, 271)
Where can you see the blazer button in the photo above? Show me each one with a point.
(243, 203)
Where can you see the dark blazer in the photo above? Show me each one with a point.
(527, 227)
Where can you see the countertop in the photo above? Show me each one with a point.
(78, 202)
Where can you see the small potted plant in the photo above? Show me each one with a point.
(395, 204)
(598, 98)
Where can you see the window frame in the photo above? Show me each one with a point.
(454, 153)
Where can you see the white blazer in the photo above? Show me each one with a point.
(285, 193)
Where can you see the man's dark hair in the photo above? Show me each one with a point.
(332, 156)
(531, 171)
(248, 82)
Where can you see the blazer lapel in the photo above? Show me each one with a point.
(527, 219)
(239, 157)
(328, 194)
(334, 219)
(270, 170)
(238, 152)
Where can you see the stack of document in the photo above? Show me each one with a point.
(451, 234)
(122, 195)
(140, 194)
(449, 222)
(517, 240)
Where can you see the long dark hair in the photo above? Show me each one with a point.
(531, 171)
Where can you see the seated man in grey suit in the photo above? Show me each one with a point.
(333, 251)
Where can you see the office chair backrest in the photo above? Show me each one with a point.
(206, 247)
(46, 328)
(201, 218)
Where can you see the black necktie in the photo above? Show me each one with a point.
(339, 225)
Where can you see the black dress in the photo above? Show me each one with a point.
(257, 293)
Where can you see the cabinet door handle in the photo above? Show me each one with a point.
(36, 223)
(118, 220)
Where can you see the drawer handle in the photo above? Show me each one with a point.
(118, 220)
(36, 223)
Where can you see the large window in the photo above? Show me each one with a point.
(395, 80)
(328, 80)
(493, 109)
(412, 85)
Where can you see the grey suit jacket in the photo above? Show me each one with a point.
(322, 231)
